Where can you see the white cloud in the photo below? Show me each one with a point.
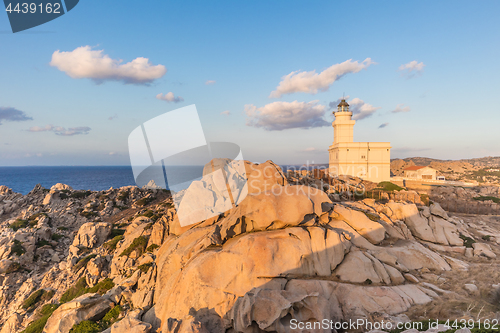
(411, 69)
(12, 114)
(278, 116)
(83, 62)
(170, 97)
(401, 108)
(383, 125)
(210, 82)
(360, 109)
(312, 82)
(226, 113)
(58, 130)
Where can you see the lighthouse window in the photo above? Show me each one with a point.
(363, 156)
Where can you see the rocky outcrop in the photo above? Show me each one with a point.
(92, 234)
(87, 307)
(281, 250)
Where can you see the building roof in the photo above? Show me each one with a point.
(414, 167)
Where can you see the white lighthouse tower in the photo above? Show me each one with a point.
(367, 160)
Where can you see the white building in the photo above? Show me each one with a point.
(420, 172)
(368, 160)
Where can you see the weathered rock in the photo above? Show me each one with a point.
(61, 187)
(92, 234)
(87, 307)
(483, 250)
(131, 324)
(372, 231)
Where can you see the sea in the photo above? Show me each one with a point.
(97, 178)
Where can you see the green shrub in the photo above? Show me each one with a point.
(73, 292)
(389, 187)
(82, 263)
(80, 288)
(80, 194)
(144, 201)
(102, 287)
(62, 228)
(48, 309)
(18, 248)
(42, 242)
(86, 326)
(32, 300)
(145, 267)
(486, 237)
(111, 245)
(37, 326)
(467, 241)
(18, 224)
(35, 216)
(88, 214)
(56, 237)
(122, 196)
(152, 247)
(138, 245)
(486, 198)
(373, 217)
(116, 232)
(112, 316)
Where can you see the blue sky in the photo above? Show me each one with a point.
(449, 101)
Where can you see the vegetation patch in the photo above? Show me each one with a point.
(18, 248)
(112, 316)
(152, 247)
(145, 267)
(82, 263)
(80, 194)
(73, 292)
(467, 241)
(112, 244)
(389, 187)
(122, 196)
(150, 215)
(373, 217)
(62, 228)
(18, 224)
(88, 214)
(56, 237)
(102, 287)
(36, 216)
(138, 245)
(116, 232)
(33, 299)
(42, 242)
(86, 326)
(80, 288)
(144, 201)
(487, 198)
(486, 237)
(37, 326)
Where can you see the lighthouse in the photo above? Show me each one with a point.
(367, 160)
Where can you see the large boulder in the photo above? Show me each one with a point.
(87, 307)
(372, 231)
(92, 234)
(61, 187)
(132, 323)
